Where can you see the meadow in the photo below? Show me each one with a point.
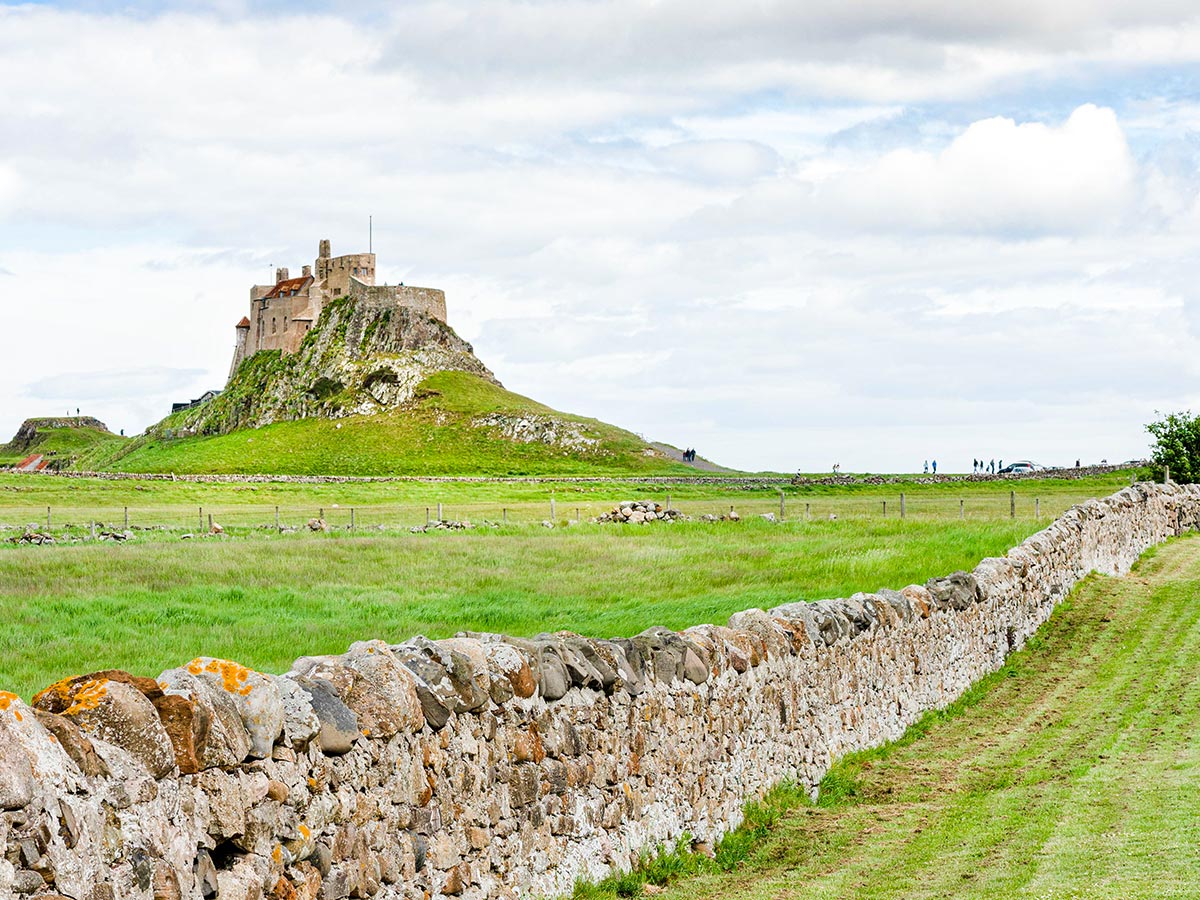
(264, 598)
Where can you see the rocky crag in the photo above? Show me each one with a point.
(361, 358)
(488, 766)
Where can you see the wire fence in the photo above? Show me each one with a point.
(1026, 504)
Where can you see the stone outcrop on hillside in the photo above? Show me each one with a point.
(361, 358)
(30, 432)
(486, 766)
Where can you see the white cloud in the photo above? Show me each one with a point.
(998, 176)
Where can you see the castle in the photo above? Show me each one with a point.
(282, 313)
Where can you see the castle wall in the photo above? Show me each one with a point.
(429, 301)
(337, 271)
(486, 766)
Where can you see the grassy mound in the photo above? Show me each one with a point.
(61, 440)
(457, 424)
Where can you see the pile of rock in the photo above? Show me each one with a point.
(731, 516)
(32, 537)
(639, 512)
(442, 525)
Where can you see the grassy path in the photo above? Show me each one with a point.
(1074, 773)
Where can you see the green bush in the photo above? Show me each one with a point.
(1176, 446)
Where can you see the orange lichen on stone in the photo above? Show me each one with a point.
(305, 831)
(6, 700)
(234, 676)
(74, 696)
(87, 696)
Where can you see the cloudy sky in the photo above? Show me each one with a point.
(788, 234)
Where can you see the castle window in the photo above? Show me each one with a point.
(273, 325)
(285, 323)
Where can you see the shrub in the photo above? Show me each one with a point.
(1176, 446)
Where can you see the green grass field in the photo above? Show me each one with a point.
(24, 500)
(264, 598)
(1072, 774)
(148, 606)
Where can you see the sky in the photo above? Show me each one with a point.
(789, 235)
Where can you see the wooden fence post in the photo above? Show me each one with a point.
(47, 518)
(960, 509)
(806, 516)
(551, 509)
(1037, 507)
(201, 518)
(1012, 504)
(781, 507)
(902, 507)
(352, 518)
(506, 515)
(885, 509)
(439, 511)
(277, 518)
(127, 518)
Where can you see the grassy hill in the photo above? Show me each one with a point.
(456, 424)
(61, 440)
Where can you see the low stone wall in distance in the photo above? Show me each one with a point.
(489, 766)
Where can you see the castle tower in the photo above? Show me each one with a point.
(242, 329)
(323, 249)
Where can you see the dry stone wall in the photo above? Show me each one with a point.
(489, 766)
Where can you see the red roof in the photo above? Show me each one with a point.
(291, 284)
(245, 323)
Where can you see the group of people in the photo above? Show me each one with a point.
(934, 467)
(689, 455)
(986, 468)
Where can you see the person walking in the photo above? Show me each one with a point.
(926, 467)
(935, 467)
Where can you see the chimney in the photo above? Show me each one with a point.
(306, 271)
(281, 275)
(323, 252)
